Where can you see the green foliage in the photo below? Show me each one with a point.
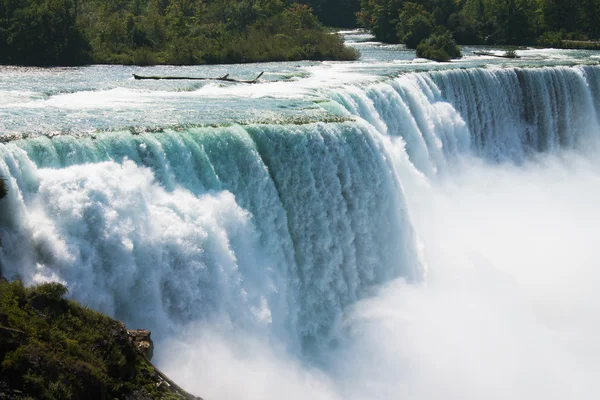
(415, 25)
(337, 13)
(41, 32)
(53, 291)
(505, 22)
(439, 47)
(551, 39)
(381, 18)
(52, 348)
(66, 32)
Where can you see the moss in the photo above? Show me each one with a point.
(53, 348)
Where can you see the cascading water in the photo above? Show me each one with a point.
(267, 224)
(288, 232)
(499, 114)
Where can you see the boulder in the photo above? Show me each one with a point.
(142, 341)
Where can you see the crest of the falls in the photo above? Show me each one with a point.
(499, 114)
(273, 227)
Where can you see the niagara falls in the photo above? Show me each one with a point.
(385, 228)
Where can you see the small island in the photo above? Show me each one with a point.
(434, 28)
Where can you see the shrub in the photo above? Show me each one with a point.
(439, 47)
(51, 290)
(143, 56)
(551, 39)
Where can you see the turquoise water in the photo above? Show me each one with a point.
(87, 100)
(377, 229)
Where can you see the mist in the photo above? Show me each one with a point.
(508, 308)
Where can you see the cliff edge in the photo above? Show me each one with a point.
(53, 348)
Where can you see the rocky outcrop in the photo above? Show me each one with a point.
(142, 341)
(51, 347)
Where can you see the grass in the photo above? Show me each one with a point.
(53, 348)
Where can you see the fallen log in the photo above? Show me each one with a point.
(224, 78)
(487, 53)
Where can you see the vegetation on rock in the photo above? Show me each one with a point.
(71, 32)
(439, 47)
(53, 348)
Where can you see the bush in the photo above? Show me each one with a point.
(143, 56)
(51, 290)
(551, 39)
(567, 40)
(439, 47)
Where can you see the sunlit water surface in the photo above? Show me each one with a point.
(390, 228)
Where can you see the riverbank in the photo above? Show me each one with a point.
(66, 33)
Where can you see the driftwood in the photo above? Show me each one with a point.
(487, 53)
(224, 78)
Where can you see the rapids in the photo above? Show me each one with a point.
(379, 229)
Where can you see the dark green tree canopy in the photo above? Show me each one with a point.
(69, 32)
(415, 24)
(503, 22)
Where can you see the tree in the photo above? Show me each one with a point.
(337, 13)
(381, 18)
(67, 32)
(415, 24)
(43, 33)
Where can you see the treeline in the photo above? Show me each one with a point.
(498, 22)
(71, 32)
(335, 13)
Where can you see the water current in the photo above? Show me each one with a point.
(381, 229)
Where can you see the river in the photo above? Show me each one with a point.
(380, 229)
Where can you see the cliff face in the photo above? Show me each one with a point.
(53, 348)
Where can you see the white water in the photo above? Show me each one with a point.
(289, 261)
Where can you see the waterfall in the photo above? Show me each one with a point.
(498, 114)
(276, 228)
